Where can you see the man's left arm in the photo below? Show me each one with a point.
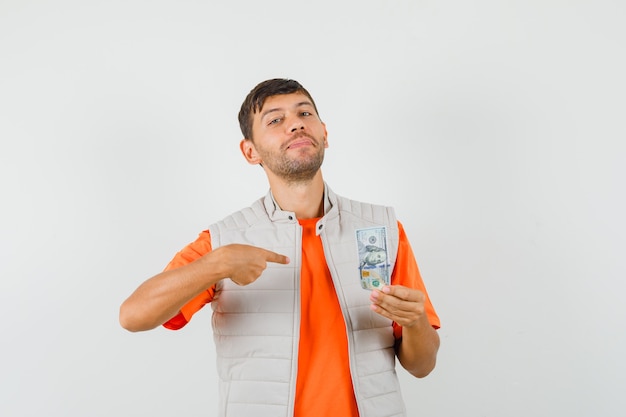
(418, 346)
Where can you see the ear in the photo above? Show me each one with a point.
(325, 136)
(249, 152)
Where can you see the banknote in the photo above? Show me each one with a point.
(373, 257)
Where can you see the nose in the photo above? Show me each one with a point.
(296, 124)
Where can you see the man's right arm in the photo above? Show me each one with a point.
(161, 297)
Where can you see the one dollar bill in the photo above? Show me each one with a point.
(373, 257)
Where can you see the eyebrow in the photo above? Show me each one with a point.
(300, 104)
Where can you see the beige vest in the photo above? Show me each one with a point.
(256, 327)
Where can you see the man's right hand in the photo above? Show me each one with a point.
(159, 298)
(243, 264)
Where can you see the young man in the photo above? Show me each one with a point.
(296, 334)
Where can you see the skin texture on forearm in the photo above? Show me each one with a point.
(417, 349)
(161, 297)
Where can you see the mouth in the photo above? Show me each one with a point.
(300, 142)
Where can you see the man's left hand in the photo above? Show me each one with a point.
(403, 305)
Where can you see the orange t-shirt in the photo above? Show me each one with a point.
(324, 384)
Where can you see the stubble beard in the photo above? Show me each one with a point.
(296, 169)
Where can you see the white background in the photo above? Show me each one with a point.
(496, 129)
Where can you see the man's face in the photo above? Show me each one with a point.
(288, 138)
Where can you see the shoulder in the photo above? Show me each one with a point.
(242, 218)
(375, 213)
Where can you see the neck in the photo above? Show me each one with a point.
(306, 199)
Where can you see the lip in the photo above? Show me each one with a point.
(300, 142)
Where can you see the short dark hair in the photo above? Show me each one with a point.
(256, 98)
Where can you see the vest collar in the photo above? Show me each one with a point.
(276, 214)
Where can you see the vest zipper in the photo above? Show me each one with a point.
(296, 319)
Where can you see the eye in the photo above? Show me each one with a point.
(274, 121)
(306, 113)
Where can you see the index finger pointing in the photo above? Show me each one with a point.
(276, 258)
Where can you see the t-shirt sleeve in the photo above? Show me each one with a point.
(406, 273)
(191, 252)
